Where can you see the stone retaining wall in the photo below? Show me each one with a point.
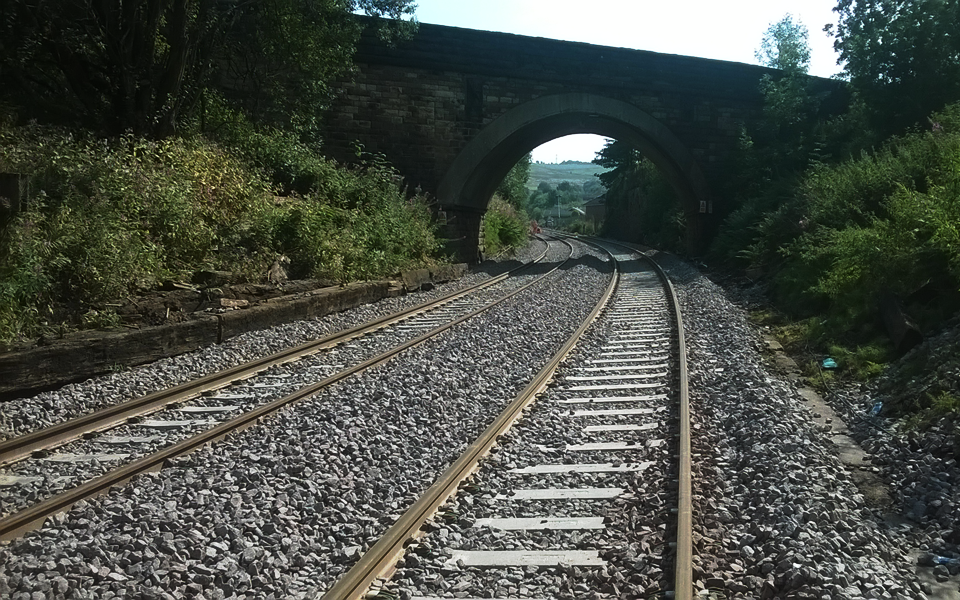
(85, 354)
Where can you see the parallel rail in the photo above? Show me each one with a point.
(380, 561)
(17, 524)
(683, 572)
(19, 448)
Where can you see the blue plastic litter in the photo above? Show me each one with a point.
(877, 407)
(829, 363)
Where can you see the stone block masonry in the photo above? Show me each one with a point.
(86, 354)
(422, 102)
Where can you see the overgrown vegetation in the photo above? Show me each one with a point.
(843, 233)
(506, 224)
(165, 137)
(504, 227)
(513, 188)
(641, 206)
(835, 211)
(583, 227)
(111, 216)
(145, 67)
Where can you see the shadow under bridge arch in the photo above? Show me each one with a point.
(473, 177)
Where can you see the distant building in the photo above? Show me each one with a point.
(596, 210)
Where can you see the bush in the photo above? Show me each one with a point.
(504, 228)
(361, 226)
(292, 165)
(838, 236)
(886, 222)
(583, 227)
(111, 216)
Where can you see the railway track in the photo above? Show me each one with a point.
(121, 442)
(580, 488)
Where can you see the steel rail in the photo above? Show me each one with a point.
(381, 559)
(683, 568)
(21, 447)
(18, 523)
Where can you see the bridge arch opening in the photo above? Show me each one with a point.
(480, 167)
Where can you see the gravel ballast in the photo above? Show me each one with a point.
(24, 415)
(44, 476)
(631, 541)
(281, 510)
(779, 514)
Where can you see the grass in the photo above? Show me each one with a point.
(555, 174)
(936, 407)
(811, 340)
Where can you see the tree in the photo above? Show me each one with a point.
(284, 53)
(640, 204)
(513, 188)
(619, 158)
(785, 47)
(903, 58)
(141, 65)
(784, 137)
(542, 200)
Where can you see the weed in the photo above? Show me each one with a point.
(935, 407)
(504, 228)
(862, 363)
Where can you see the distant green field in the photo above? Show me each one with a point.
(574, 172)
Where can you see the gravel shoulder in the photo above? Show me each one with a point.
(781, 515)
(283, 509)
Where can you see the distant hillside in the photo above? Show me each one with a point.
(574, 172)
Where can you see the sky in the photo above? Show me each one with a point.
(725, 30)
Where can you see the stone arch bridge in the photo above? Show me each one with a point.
(454, 109)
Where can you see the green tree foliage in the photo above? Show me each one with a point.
(504, 227)
(833, 235)
(641, 206)
(542, 201)
(886, 221)
(772, 154)
(284, 53)
(513, 188)
(784, 46)
(113, 216)
(623, 199)
(141, 65)
(785, 136)
(903, 58)
(620, 158)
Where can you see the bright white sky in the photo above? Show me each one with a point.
(730, 30)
